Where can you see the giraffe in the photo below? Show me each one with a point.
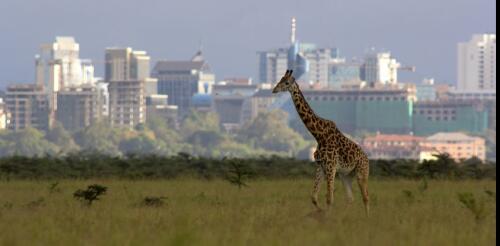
(335, 152)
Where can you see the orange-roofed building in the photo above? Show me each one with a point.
(458, 145)
(391, 146)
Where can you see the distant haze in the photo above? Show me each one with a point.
(423, 33)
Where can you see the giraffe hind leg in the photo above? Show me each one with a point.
(317, 182)
(347, 182)
(362, 177)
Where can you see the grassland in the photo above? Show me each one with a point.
(276, 212)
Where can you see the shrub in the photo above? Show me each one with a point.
(91, 194)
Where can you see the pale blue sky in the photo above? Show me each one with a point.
(423, 33)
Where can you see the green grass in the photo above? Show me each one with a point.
(275, 212)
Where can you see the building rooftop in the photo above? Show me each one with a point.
(394, 137)
(451, 136)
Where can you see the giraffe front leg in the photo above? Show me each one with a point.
(317, 182)
(330, 179)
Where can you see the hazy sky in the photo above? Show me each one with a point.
(423, 33)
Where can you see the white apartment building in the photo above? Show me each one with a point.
(380, 68)
(477, 64)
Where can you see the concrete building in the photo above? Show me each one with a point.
(458, 145)
(477, 64)
(181, 80)
(392, 146)
(426, 91)
(4, 115)
(342, 72)
(78, 107)
(272, 65)
(127, 104)
(232, 104)
(126, 64)
(380, 68)
(28, 106)
(449, 116)
(58, 65)
(157, 105)
(362, 109)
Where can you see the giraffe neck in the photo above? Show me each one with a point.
(305, 111)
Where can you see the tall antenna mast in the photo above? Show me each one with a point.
(294, 27)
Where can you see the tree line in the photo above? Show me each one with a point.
(87, 165)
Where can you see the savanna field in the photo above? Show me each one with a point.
(185, 211)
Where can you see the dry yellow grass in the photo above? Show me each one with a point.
(275, 212)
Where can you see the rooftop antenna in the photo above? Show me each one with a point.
(294, 28)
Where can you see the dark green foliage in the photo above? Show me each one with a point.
(91, 194)
(89, 164)
(238, 173)
(153, 201)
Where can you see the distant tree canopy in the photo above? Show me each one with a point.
(199, 134)
(270, 131)
(27, 142)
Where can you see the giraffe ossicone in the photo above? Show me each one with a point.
(335, 152)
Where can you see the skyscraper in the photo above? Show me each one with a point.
(309, 63)
(127, 75)
(127, 103)
(58, 66)
(180, 80)
(126, 64)
(477, 64)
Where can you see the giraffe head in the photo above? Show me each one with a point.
(285, 83)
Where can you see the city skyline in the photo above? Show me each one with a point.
(232, 35)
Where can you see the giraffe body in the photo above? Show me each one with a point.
(335, 152)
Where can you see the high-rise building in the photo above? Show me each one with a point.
(78, 107)
(127, 74)
(380, 68)
(477, 64)
(28, 106)
(180, 80)
(126, 64)
(342, 72)
(272, 65)
(58, 65)
(127, 104)
(310, 64)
